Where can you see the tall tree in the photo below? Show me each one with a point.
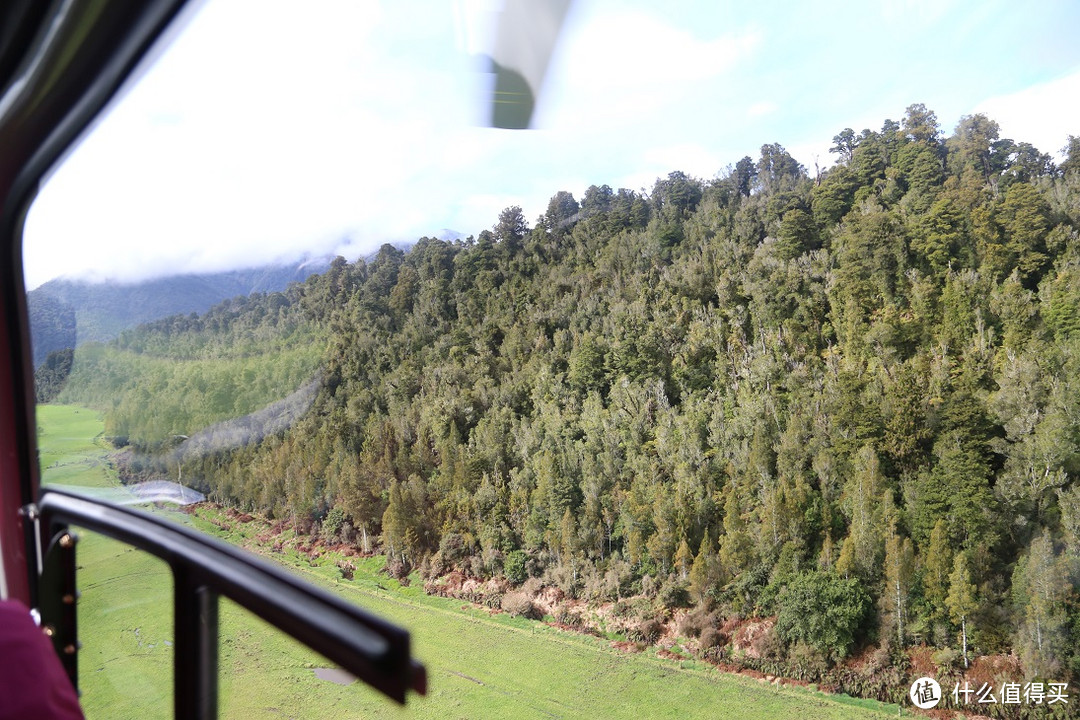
(921, 124)
(776, 169)
(562, 212)
(511, 228)
(961, 600)
(844, 144)
(937, 565)
(1040, 586)
(1071, 150)
(899, 571)
(744, 175)
(972, 144)
(1025, 219)
(703, 571)
(861, 552)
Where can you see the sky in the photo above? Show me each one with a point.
(271, 129)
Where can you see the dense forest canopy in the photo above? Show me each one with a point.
(748, 393)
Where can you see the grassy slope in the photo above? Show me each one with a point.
(71, 447)
(478, 665)
(255, 375)
(125, 618)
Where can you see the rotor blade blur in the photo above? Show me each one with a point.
(525, 40)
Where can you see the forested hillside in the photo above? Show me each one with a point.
(849, 401)
(166, 381)
(65, 313)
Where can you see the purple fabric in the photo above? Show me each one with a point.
(33, 683)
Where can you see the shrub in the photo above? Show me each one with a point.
(565, 579)
(622, 608)
(426, 568)
(532, 587)
(569, 618)
(695, 622)
(711, 638)
(332, 523)
(618, 581)
(398, 569)
(674, 594)
(519, 604)
(348, 532)
(346, 568)
(534, 567)
(768, 645)
(947, 659)
(646, 631)
(514, 567)
(651, 629)
(807, 662)
(454, 549)
(824, 611)
(493, 561)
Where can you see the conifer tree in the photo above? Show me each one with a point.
(899, 569)
(961, 599)
(702, 574)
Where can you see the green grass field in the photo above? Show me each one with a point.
(71, 447)
(479, 665)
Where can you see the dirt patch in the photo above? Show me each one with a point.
(736, 670)
(234, 514)
(346, 550)
(743, 640)
(627, 646)
(995, 669)
(549, 599)
(922, 661)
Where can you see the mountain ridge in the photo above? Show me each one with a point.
(65, 313)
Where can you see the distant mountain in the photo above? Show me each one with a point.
(448, 235)
(66, 313)
(402, 245)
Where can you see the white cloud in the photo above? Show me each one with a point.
(761, 109)
(228, 154)
(614, 67)
(641, 49)
(1043, 115)
(363, 126)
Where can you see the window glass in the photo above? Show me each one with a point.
(755, 353)
(125, 623)
(263, 673)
